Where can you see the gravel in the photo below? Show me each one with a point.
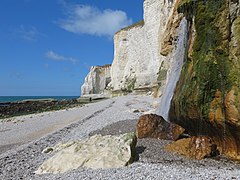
(118, 116)
(22, 129)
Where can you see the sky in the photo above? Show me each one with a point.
(48, 46)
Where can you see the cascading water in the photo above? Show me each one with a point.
(175, 71)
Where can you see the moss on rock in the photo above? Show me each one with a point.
(210, 74)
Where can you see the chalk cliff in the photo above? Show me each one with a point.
(145, 52)
(97, 80)
(142, 60)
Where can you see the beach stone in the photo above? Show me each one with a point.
(154, 126)
(196, 147)
(58, 147)
(95, 152)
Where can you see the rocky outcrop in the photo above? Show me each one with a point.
(194, 147)
(96, 152)
(154, 126)
(11, 109)
(96, 81)
(207, 96)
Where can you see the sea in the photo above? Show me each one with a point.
(4, 99)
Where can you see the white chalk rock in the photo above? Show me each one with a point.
(96, 152)
(97, 80)
(147, 55)
(137, 59)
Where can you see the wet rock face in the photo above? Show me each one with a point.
(194, 147)
(154, 126)
(207, 97)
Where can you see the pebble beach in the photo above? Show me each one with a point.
(22, 141)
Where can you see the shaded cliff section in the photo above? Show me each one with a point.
(207, 97)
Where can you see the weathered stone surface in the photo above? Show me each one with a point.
(58, 147)
(207, 98)
(194, 147)
(96, 81)
(154, 126)
(96, 152)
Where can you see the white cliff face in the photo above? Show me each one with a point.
(138, 62)
(148, 56)
(152, 55)
(97, 80)
(127, 46)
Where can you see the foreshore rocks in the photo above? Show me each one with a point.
(34, 106)
(154, 126)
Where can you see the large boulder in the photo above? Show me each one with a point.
(154, 126)
(207, 97)
(194, 147)
(95, 152)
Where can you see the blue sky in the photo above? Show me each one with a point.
(48, 46)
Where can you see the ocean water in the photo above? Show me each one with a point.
(20, 98)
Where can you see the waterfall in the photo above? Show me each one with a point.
(176, 65)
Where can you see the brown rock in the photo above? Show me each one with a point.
(154, 126)
(216, 113)
(206, 100)
(231, 109)
(196, 147)
(170, 32)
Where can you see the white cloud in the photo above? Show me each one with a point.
(46, 65)
(56, 57)
(28, 33)
(16, 74)
(83, 19)
(72, 60)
